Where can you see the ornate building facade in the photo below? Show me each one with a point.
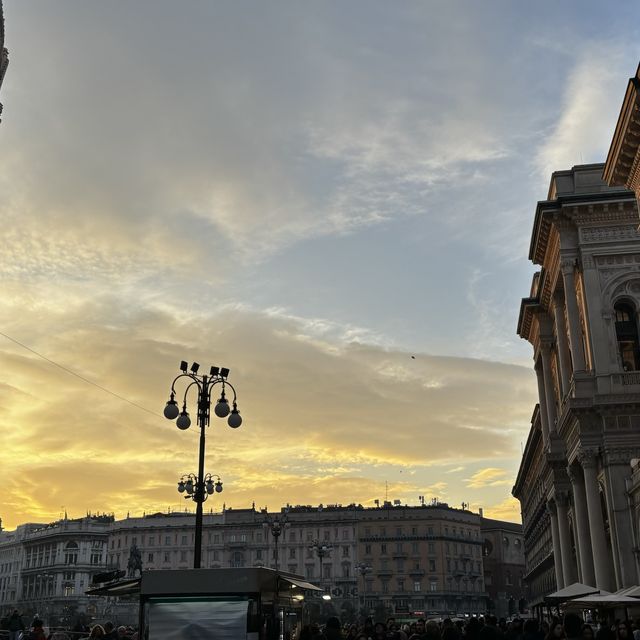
(46, 568)
(390, 559)
(581, 318)
(503, 556)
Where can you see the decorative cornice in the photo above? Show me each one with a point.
(620, 455)
(588, 457)
(623, 152)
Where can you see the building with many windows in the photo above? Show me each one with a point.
(503, 559)
(46, 568)
(578, 473)
(390, 559)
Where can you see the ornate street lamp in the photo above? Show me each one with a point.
(200, 487)
(276, 526)
(363, 569)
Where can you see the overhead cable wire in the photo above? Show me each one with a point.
(77, 375)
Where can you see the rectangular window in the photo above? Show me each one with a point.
(433, 586)
(385, 586)
(398, 531)
(401, 586)
(345, 552)
(345, 534)
(383, 548)
(367, 549)
(259, 554)
(150, 557)
(216, 538)
(167, 540)
(184, 540)
(259, 537)
(326, 571)
(416, 586)
(183, 556)
(415, 547)
(432, 547)
(327, 535)
(152, 541)
(430, 531)
(345, 570)
(216, 555)
(69, 589)
(292, 553)
(399, 548)
(167, 556)
(432, 565)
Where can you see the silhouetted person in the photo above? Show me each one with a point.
(15, 625)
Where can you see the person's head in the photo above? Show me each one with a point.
(122, 632)
(587, 632)
(379, 627)
(108, 626)
(420, 625)
(530, 625)
(622, 630)
(96, 632)
(333, 623)
(432, 629)
(391, 624)
(556, 630)
(572, 625)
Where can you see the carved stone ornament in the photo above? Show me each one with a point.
(609, 233)
(620, 455)
(575, 476)
(567, 265)
(551, 507)
(588, 457)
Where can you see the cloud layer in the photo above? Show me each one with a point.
(309, 194)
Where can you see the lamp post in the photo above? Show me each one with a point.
(363, 569)
(276, 526)
(321, 549)
(200, 484)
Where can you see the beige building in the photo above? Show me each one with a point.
(425, 560)
(581, 318)
(503, 559)
(46, 568)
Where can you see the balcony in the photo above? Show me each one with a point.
(384, 572)
(416, 572)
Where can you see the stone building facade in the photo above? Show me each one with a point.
(390, 559)
(581, 318)
(46, 568)
(503, 556)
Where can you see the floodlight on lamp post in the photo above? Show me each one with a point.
(199, 487)
(276, 526)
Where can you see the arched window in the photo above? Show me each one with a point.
(627, 336)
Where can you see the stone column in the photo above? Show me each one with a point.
(581, 527)
(545, 353)
(568, 567)
(557, 550)
(617, 469)
(544, 416)
(575, 332)
(601, 556)
(563, 343)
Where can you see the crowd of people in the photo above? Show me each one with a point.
(570, 627)
(14, 629)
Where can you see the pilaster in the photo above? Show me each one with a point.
(567, 267)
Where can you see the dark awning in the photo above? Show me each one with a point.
(122, 588)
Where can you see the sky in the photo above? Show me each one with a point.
(332, 199)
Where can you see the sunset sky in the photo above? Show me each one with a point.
(308, 193)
